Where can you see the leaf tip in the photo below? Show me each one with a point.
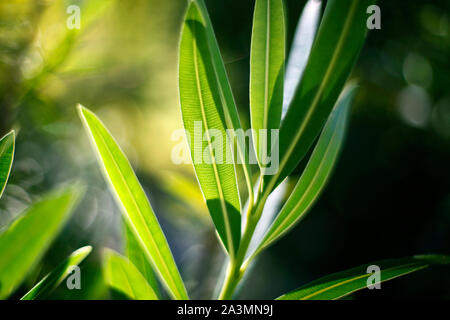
(106, 253)
(193, 10)
(81, 110)
(10, 137)
(11, 134)
(85, 251)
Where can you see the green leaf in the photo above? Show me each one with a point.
(122, 275)
(7, 144)
(266, 74)
(51, 281)
(317, 172)
(339, 40)
(136, 255)
(26, 240)
(226, 96)
(341, 284)
(136, 208)
(203, 116)
(300, 49)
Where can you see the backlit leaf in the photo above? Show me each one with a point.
(340, 284)
(136, 255)
(266, 74)
(204, 120)
(135, 206)
(232, 120)
(122, 275)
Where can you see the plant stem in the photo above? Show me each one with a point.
(235, 270)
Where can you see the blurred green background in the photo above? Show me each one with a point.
(389, 196)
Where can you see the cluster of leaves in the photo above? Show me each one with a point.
(307, 103)
(25, 241)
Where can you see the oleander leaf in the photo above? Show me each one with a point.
(122, 275)
(339, 40)
(300, 49)
(317, 172)
(136, 208)
(266, 74)
(226, 97)
(7, 144)
(51, 281)
(136, 255)
(341, 284)
(23, 244)
(203, 116)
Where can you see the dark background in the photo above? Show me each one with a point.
(389, 196)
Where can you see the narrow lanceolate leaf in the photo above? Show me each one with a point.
(226, 97)
(6, 158)
(300, 49)
(26, 240)
(204, 121)
(341, 284)
(266, 74)
(135, 206)
(121, 275)
(316, 173)
(136, 255)
(339, 40)
(51, 281)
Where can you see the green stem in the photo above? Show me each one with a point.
(236, 270)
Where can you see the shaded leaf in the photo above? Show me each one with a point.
(271, 210)
(300, 49)
(136, 208)
(317, 172)
(340, 284)
(26, 240)
(51, 281)
(339, 40)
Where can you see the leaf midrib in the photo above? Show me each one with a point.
(229, 120)
(419, 267)
(266, 80)
(213, 159)
(143, 222)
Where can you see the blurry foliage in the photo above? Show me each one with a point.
(123, 61)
